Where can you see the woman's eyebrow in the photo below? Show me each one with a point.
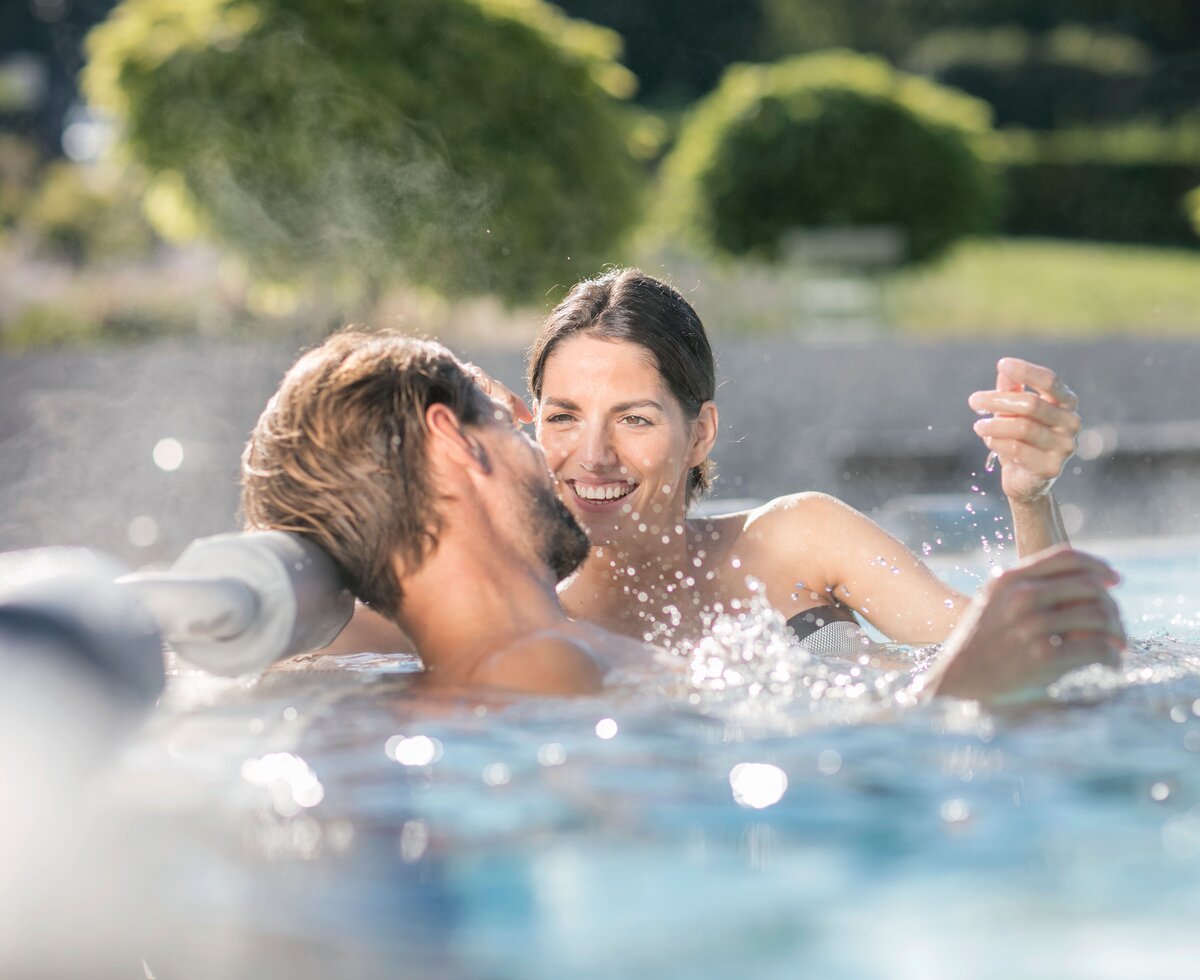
(552, 401)
(644, 403)
(561, 403)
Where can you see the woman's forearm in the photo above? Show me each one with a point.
(1037, 525)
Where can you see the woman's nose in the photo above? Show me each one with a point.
(596, 449)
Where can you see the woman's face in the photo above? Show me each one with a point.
(616, 439)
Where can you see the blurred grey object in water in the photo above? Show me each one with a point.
(60, 610)
(236, 603)
(82, 662)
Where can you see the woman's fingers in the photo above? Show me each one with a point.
(1042, 379)
(1027, 431)
(1042, 463)
(500, 392)
(520, 411)
(1026, 404)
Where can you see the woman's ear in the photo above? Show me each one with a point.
(452, 442)
(704, 433)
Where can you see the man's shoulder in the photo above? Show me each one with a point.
(546, 662)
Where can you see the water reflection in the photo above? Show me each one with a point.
(757, 785)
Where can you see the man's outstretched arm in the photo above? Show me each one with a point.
(1045, 616)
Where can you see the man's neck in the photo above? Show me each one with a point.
(465, 604)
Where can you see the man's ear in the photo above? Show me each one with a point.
(704, 434)
(452, 441)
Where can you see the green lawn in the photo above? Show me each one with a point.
(1043, 287)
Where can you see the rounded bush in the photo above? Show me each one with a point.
(830, 140)
(469, 145)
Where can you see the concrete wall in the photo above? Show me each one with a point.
(865, 421)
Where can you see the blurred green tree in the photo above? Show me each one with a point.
(830, 140)
(469, 145)
(87, 214)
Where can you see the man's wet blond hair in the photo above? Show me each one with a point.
(339, 454)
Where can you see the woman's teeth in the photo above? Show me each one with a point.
(611, 491)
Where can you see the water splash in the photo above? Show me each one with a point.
(748, 666)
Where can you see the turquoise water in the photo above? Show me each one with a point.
(326, 823)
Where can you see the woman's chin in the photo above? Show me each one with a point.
(604, 528)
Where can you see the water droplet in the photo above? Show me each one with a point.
(829, 762)
(142, 531)
(168, 454)
(420, 750)
(414, 839)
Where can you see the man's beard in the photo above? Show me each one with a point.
(558, 538)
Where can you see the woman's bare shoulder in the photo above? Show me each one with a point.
(798, 514)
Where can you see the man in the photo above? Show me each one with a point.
(442, 515)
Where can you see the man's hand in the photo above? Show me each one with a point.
(1032, 429)
(1033, 623)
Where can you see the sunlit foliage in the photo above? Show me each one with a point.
(468, 145)
(829, 140)
(84, 214)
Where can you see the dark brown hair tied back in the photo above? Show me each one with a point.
(627, 304)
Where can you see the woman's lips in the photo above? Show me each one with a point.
(600, 498)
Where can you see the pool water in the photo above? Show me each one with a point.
(329, 822)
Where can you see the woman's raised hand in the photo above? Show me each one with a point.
(1032, 429)
(500, 392)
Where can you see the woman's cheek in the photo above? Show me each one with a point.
(553, 449)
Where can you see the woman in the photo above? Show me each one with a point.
(623, 382)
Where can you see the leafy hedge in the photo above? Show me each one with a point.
(1070, 76)
(829, 140)
(470, 145)
(1117, 186)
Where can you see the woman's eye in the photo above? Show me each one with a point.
(635, 420)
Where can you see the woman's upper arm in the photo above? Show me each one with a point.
(871, 572)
